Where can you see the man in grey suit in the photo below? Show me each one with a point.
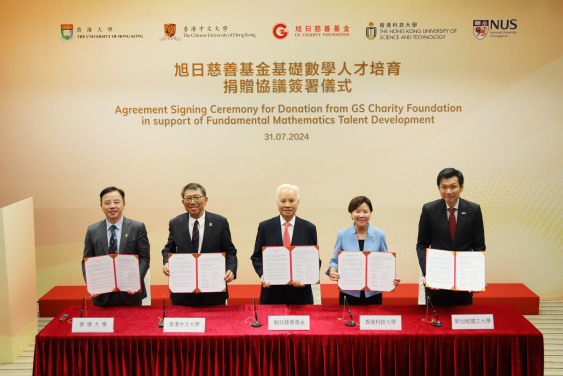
(117, 235)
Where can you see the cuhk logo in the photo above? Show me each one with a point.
(480, 28)
(280, 31)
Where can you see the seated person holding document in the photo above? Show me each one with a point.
(450, 224)
(361, 236)
(199, 231)
(117, 235)
(283, 231)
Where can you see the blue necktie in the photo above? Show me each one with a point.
(113, 241)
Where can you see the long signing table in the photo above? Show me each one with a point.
(230, 346)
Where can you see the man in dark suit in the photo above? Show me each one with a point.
(117, 235)
(451, 224)
(282, 231)
(199, 231)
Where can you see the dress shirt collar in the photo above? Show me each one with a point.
(200, 220)
(456, 206)
(118, 224)
(283, 221)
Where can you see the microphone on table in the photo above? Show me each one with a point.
(256, 323)
(161, 324)
(83, 306)
(351, 322)
(437, 322)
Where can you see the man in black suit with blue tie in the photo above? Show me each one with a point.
(117, 235)
(450, 224)
(199, 231)
(283, 231)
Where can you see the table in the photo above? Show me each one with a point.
(231, 347)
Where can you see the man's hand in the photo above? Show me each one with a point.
(131, 292)
(229, 276)
(431, 288)
(264, 284)
(396, 281)
(334, 276)
(298, 284)
(94, 295)
(166, 270)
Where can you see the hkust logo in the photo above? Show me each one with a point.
(371, 31)
(169, 32)
(66, 32)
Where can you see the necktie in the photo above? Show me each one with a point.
(195, 237)
(452, 222)
(286, 238)
(113, 240)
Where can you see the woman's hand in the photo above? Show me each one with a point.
(333, 274)
(264, 284)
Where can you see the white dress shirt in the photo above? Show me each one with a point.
(200, 226)
(289, 229)
(119, 225)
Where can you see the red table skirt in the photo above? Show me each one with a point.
(230, 346)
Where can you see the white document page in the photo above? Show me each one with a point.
(182, 272)
(440, 269)
(305, 264)
(470, 271)
(127, 273)
(275, 263)
(352, 270)
(381, 271)
(100, 277)
(211, 272)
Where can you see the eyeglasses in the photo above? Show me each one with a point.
(195, 198)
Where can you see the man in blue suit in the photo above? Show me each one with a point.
(283, 231)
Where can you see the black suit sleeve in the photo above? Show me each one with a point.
(479, 232)
(143, 251)
(257, 255)
(170, 244)
(88, 251)
(228, 247)
(424, 236)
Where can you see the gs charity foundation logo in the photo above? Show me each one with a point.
(280, 31)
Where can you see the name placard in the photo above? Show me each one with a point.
(472, 322)
(380, 322)
(92, 325)
(288, 323)
(184, 325)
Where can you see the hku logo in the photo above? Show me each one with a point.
(66, 32)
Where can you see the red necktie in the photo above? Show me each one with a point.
(286, 238)
(452, 222)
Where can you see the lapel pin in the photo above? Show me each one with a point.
(373, 238)
(210, 224)
(462, 212)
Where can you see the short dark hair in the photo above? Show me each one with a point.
(194, 186)
(112, 189)
(448, 173)
(357, 201)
